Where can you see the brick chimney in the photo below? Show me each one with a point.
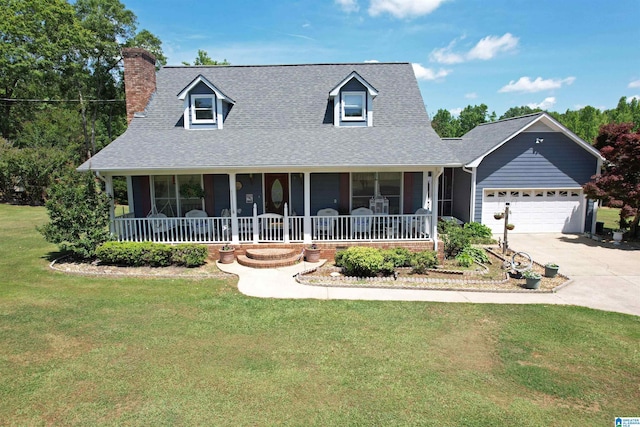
(139, 79)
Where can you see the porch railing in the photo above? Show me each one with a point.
(261, 228)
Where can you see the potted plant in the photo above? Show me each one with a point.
(551, 269)
(312, 253)
(532, 279)
(510, 226)
(192, 191)
(498, 215)
(227, 254)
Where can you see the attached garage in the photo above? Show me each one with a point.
(540, 210)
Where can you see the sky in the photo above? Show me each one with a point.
(551, 54)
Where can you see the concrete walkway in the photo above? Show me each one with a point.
(605, 277)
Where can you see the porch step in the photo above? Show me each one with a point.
(268, 263)
(271, 254)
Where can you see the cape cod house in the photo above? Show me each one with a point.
(325, 153)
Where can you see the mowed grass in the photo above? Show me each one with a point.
(610, 217)
(121, 351)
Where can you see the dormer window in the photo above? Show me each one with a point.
(353, 106)
(353, 102)
(203, 109)
(205, 105)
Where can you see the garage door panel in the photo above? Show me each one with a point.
(536, 210)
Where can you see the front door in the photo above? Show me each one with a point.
(276, 187)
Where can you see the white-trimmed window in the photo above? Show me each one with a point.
(353, 106)
(203, 109)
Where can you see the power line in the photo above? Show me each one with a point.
(10, 100)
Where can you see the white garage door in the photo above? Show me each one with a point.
(536, 211)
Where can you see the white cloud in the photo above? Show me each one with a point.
(636, 97)
(403, 8)
(525, 84)
(423, 73)
(456, 111)
(486, 48)
(545, 104)
(371, 61)
(634, 84)
(348, 5)
(490, 46)
(471, 95)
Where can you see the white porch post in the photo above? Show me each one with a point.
(254, 229)
(307, 208)
(472, 202)
(234, 206)
(426, 190)
(108, 186)
(434, 206)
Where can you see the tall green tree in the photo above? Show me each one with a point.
(445, 124)
(519, 111)
(472, 116)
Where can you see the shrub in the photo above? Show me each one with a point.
(135, 254)
(79, 215)
(361, 261)
(337, 259)
(190, 255)
(399, 257)
(479, 233)
(479, 255)
(464, 259)
(455, 241)
(422, 261)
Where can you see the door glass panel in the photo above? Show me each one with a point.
(277, 193)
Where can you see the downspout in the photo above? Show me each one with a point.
(472, 199)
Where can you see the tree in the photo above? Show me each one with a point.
(79, 215)
(445, 124)
(519, 111)
(619, 183)
(472, 116)
(203, 58)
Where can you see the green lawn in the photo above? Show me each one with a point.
(610, 217)
(121, 351)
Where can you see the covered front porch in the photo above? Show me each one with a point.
(279, 207)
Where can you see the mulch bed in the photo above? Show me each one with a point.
(495, 278)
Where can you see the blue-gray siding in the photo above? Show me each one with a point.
(251, 184)
(557, 162)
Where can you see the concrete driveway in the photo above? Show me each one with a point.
(605, 276)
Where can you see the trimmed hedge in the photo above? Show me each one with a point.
(135, 254)
(362, 261)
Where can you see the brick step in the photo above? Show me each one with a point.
(268, 263)
(271, 254)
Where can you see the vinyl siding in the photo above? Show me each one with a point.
(557, 162)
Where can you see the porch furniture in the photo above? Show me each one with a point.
(160, 223)
(198, 224)
(379, 204)
(326, 225)
(420, 225)
(361, 222)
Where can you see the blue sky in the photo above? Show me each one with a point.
(555, 54)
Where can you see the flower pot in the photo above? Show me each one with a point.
(498, 215)
(550, 271)
(312, 255)
(617, 237)
(510, 226)
(228, 256)
(532, 283)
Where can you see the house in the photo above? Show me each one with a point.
(533, 163)
(322, 153)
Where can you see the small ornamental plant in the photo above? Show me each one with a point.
(227, 247)
(530, 274)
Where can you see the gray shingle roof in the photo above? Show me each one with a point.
(484, 137)
(281, 118)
